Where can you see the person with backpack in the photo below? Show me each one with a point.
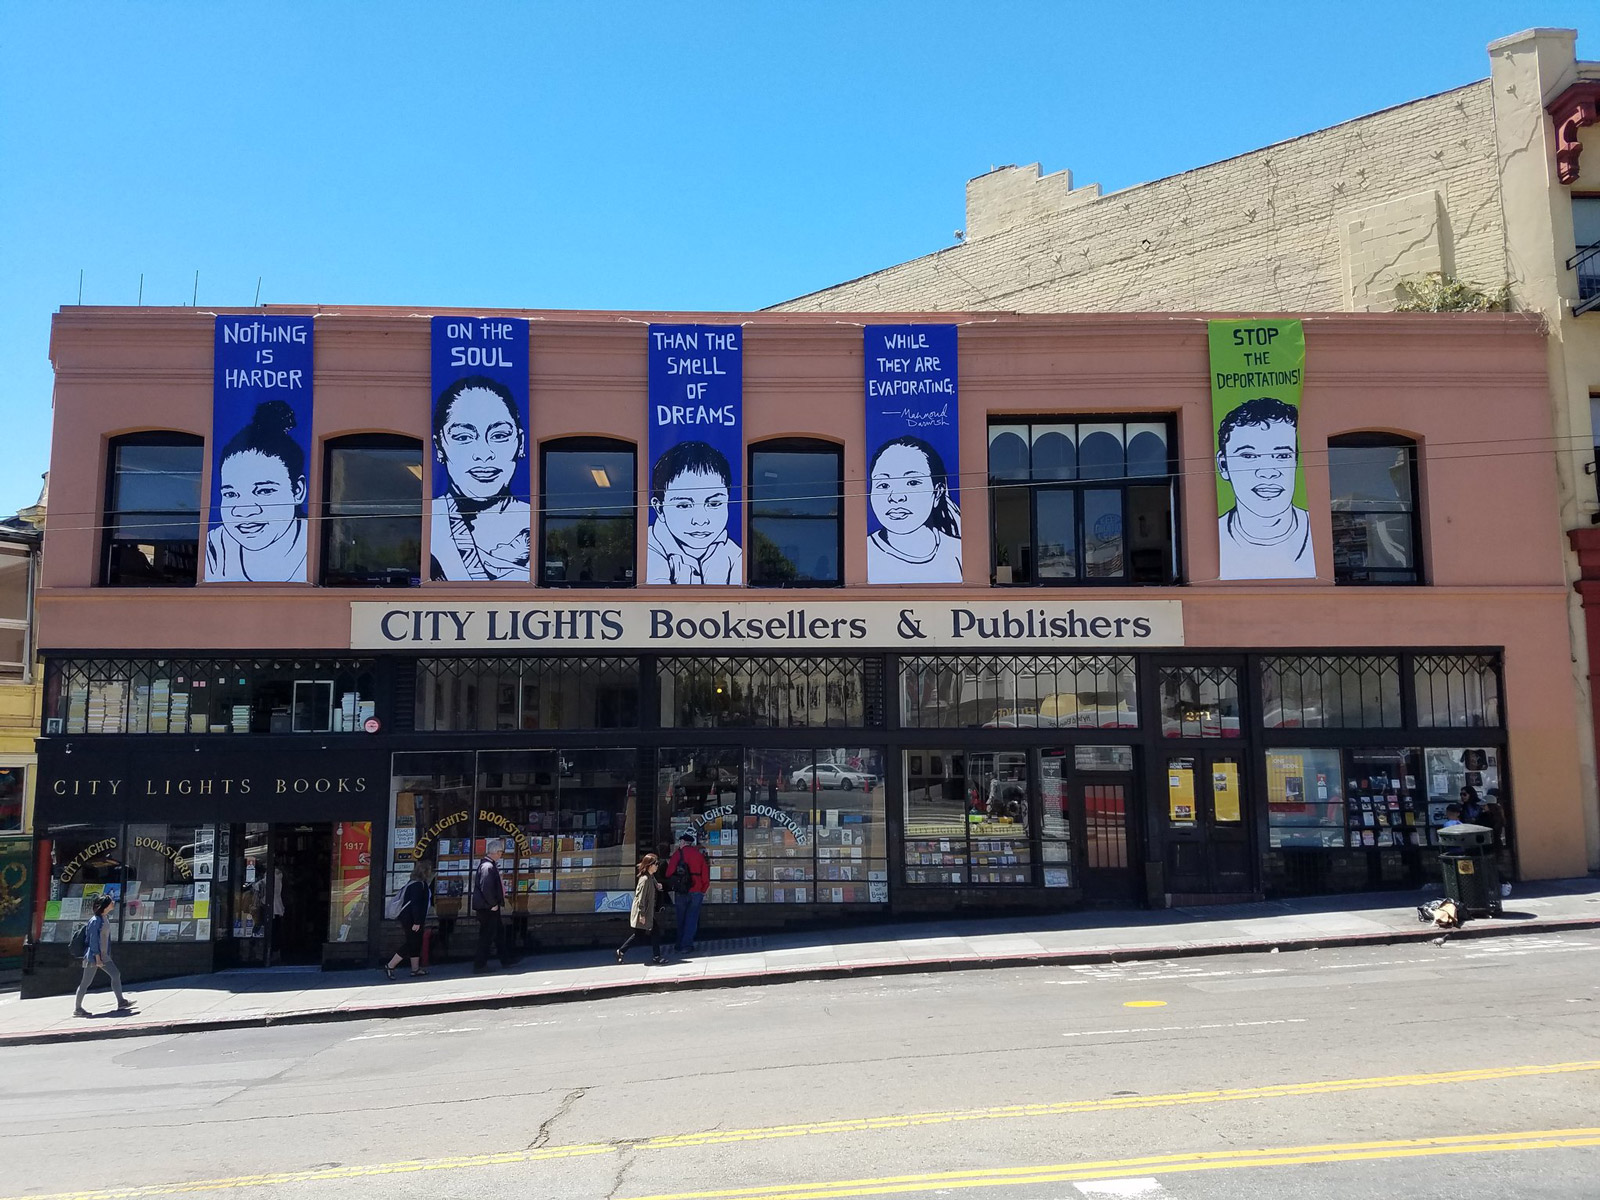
(643, 917)
(97, 957)
(488, 898)
(412, 914)
(689, 878)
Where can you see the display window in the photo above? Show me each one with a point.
(167, 884)
(1305, 798)
(1469, 777)
(967, 817)
(700, 788)
(84, 862)
(432, 822)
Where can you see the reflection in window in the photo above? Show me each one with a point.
(184, 695)
(1199, 702)
(432, 823)
(1373, 477)
(707, 693)
(968, 816)
(152, 510)
(587, 513)
(814, 827)
(464, 694)
(372, 535)
(1457, 691)
(1331, 692)
(796, 514)
(1087, 501)
(1019, 692)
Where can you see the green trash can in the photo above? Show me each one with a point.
(1471, 873)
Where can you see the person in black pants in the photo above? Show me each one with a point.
(414, 899)
(644, 917)
(488, 898)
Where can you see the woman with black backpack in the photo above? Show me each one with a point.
(413, 916)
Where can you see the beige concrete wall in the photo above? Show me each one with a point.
(1264, 231)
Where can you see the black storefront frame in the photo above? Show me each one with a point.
(396, 694)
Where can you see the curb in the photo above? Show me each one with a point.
(604, 991)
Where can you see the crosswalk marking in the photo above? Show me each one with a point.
(1148, 1189)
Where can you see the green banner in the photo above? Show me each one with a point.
(1263, 528)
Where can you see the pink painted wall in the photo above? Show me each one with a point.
(1471, 389)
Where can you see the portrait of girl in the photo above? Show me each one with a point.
(261, 537)
(480, 531)
(919, 539)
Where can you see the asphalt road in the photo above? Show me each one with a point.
(1471, 1068)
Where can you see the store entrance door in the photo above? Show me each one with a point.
(299, 874)
(1109, 876)
(1208, 838)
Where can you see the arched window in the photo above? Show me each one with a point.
(1085, 500)
(152, 525)
(1373, 477)
(372, 511)
(587, 519)
(796, 514)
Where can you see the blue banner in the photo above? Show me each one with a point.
(913, 454)
(696, 455)
(482, 512)
(260, 446)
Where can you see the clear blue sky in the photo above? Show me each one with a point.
(623, 155)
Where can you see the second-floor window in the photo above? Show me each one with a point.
(152, 526)
(586, 514)
(372, 533)
(796, 511)
(1373, 480)
(1083, 500)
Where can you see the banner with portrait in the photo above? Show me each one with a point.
(261, 390)
(1263, 526)
(696, 455)
(480, 528)
(913, 454)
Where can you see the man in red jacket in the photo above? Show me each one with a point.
(686, 900)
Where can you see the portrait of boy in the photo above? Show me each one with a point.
(690, 499)
(1265, 535)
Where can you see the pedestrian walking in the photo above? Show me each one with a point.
(97, 958)
(643, 917)
(414, 898)
(689, 877)
(488, 898)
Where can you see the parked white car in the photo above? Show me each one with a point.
(829, 776)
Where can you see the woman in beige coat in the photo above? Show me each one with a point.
(642, 917)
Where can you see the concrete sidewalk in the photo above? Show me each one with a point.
(279, 996)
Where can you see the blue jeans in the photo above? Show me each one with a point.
(686, 907)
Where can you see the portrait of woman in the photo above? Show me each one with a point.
(262, 491)
(480, 531)
(920, 538)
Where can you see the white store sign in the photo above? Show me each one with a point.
(669, 626)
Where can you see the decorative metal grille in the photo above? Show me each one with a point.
(1331, 692)
(1199, 702)
(467, 694)
(1457, 691)
(287, 694)
(1019, 691)
(796, 693)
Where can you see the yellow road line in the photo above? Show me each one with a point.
(845, 1125)
(1159, 1164)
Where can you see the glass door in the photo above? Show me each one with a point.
(1208, 835)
